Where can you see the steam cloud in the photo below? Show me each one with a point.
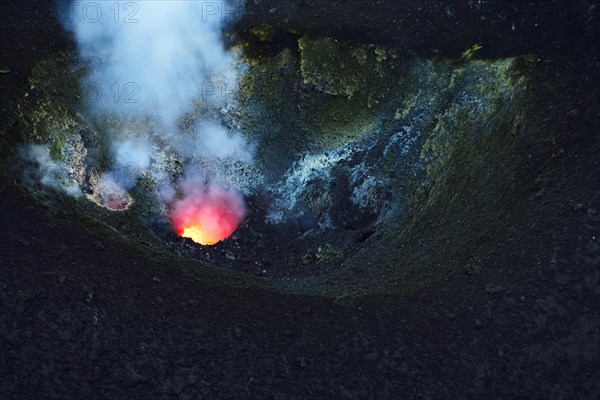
(47, 171)
(149, 62)
(150, 58)
(212, 141)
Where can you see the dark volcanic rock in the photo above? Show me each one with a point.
(432, 27)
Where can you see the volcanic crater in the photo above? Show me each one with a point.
(391, 199)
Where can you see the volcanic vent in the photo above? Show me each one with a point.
(290, 162)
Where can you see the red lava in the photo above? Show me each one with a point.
(206, 214)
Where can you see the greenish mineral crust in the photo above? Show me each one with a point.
(43, 113)
(263, 33)
(481, 95)
(333, 67)
(320, 94)
(327, 92)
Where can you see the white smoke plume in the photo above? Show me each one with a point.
(47, 171)
(133, 151)
(132, 157)
(151, 58)
(149, 62)
(212, 141)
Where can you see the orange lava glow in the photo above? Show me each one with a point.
(198, 235)
(207, 215)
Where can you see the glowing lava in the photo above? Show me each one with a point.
(206, 214)
(197, 235)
